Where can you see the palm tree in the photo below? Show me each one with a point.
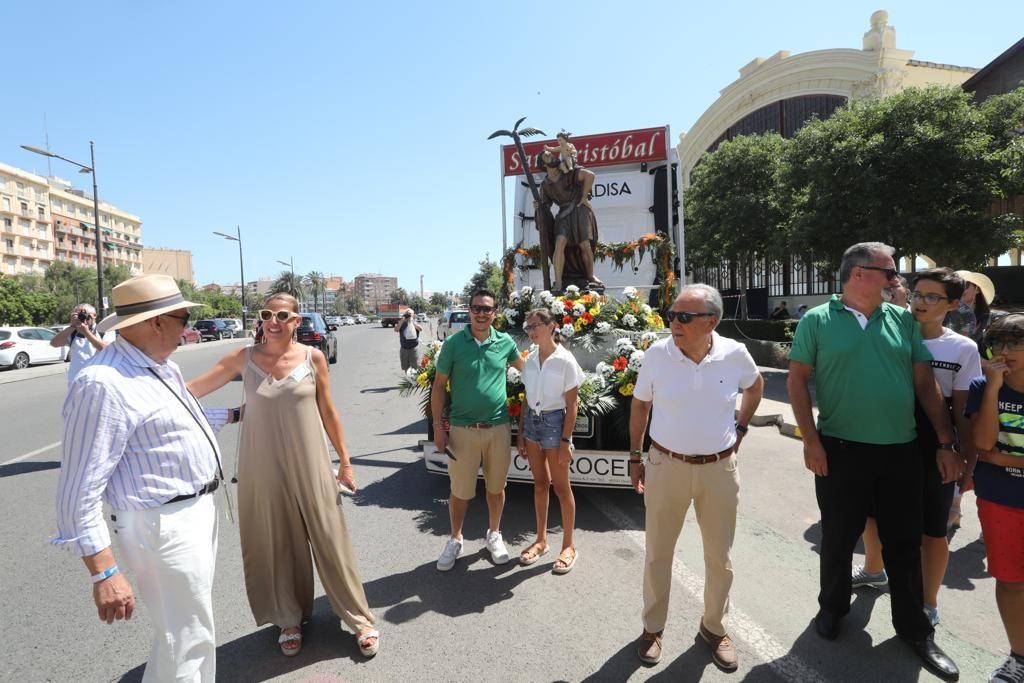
(316, 283)
(287, 283)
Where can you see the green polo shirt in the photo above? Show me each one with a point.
(477, 375)
(864, 378)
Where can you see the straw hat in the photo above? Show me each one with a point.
(142, 298)
(982, 282)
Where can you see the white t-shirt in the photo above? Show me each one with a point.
(956, 361)
(409, 331)
(81, 351)
(546, 384)
(695, 403)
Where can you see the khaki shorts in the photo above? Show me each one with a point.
(472, 447)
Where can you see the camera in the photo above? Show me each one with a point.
(83, 316)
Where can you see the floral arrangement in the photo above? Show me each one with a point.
(620, 368)
(586, 317)
(660, 248)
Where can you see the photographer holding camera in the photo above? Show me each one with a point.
(409, 337)
(81, 336)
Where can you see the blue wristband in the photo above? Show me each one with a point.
(105, 574)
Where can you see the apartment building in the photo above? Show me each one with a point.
(374, 289)
(75, 234)
(26, 230)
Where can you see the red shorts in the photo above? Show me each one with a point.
(1003, 528)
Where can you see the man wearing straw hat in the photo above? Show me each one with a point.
(136, 439)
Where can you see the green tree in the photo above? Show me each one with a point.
(22, 306)
(399, 296)
(917, 170)
(438, 302)
(488, 276)
(418, 303)
(734, 211)
(316, 287)
(289, 283)
(223, 305)
(113, 276)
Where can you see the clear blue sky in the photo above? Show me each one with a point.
(354, 139)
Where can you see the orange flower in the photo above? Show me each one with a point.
(620, 363)
(424, 361)
(524, 353)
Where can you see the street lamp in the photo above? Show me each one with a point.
(82, 168)
(241, 267)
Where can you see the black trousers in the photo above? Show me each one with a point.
(886, 481)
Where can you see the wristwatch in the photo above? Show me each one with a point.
(567, 440)
(742, 429)
(950, 446)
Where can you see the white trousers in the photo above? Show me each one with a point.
(172, 550)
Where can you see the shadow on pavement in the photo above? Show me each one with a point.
(417, 427)
(378, 390)
(965, 564)
(27, 467)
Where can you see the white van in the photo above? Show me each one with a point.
(451, 322)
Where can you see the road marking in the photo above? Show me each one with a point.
(779, 657)
(29, 455)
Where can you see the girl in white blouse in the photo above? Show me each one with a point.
(552, 378)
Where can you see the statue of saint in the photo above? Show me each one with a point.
(570, 235)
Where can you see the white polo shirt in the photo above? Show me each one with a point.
(694, 404)
(546, 384)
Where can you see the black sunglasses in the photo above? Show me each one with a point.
(890, 273)
(482, 309)
(685, 317)
(183, 319)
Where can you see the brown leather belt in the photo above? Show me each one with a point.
(477, 425)
(693, 459)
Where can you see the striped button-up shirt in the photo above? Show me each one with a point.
(129, 442)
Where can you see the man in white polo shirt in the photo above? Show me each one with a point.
(691, 381)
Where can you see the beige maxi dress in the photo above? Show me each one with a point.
(288, 504)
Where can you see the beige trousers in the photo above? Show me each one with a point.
(669, 486)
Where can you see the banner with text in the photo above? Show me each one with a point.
(605, 149)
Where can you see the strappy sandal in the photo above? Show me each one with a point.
(365, 646)
(533, 553)
(567, 565)
(286, 638)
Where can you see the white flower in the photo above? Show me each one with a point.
(629, 320)
(512, 376)
(511, 314)
(411, 373)
(513, 298)
(629, 292)
(603, 369)
(636, 359)
(572, 291)
(646, 309)
(437, 345)
(603, 327)
(621, 343)
(558, 309)
(578, 310)
(526, 292)
(568, 331)
(546, 297)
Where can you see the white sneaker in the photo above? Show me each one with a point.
(496, 546)
(1010, 671)
(452, 551)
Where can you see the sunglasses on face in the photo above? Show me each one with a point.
(282, 316)
(890, 273)
(1012, 345)
(482, 309)
(930, 299)
(685, 317)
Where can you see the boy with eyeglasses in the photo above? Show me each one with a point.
(995, 405)
(955, 362)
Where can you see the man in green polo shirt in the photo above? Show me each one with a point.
(475, 360)
(869, 363)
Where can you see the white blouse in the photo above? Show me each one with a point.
(546, 385)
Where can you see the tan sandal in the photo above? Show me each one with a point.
(365, 646)
(533, 553)
(567, 565)
(285, 638)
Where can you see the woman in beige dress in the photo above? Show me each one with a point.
(288, 497)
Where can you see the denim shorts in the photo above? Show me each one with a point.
(545, 427)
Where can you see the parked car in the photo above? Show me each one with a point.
(235, 326)
(189, 335)
(24, 346)
(333, 320)
(348, 320)
(214, 328)
(361, 319)
(313, 332)
(451, 322)
(421, 317)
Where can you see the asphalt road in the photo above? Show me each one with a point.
(479, 621)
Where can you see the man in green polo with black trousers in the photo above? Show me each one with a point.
(868, 363)
(475, 360)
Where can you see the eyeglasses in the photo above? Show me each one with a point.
(890, 273)
(685, 317)
(482, 309)
(183, 319)
(930, 299)
(532, 326)
(282, 316)
(1013, 345)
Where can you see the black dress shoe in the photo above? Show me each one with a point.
(826, 625)
(934, 659)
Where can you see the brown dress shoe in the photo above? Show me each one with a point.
(648, 647)
(722, 650)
